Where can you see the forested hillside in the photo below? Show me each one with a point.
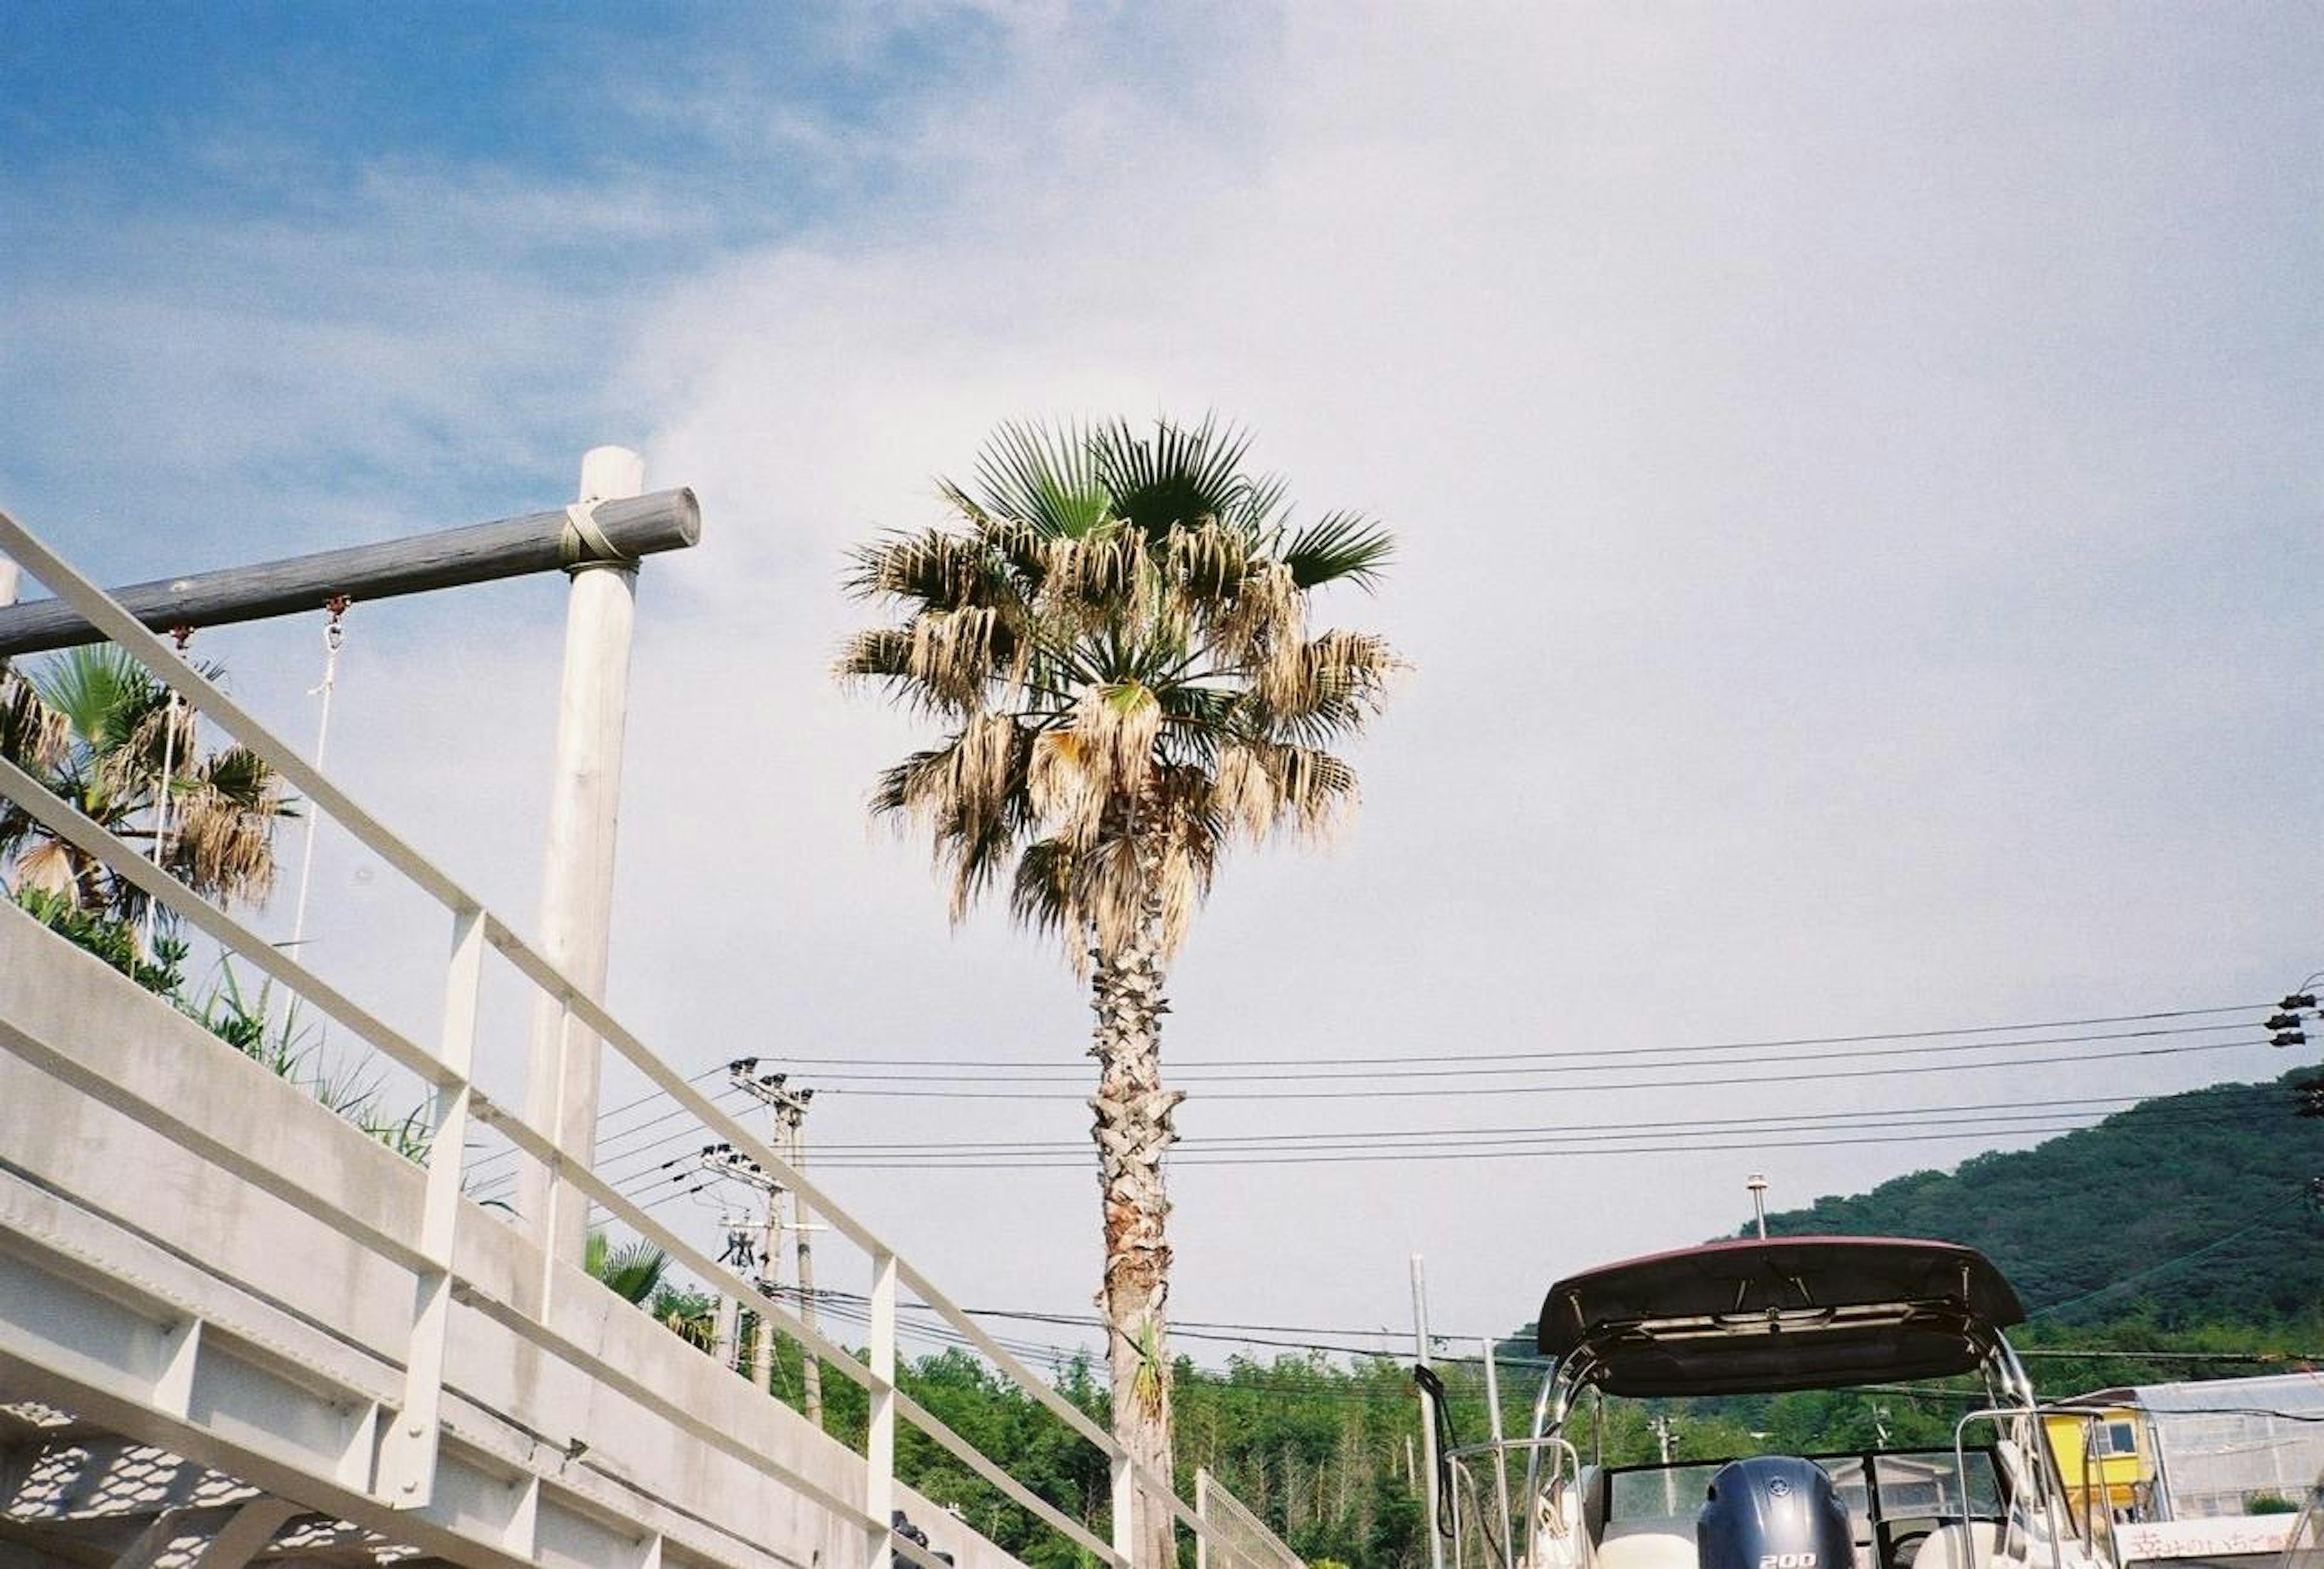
(2209, 1191)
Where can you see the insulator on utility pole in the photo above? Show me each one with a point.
(785, 1209)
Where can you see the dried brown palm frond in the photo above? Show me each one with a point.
(32, 735)
(935, 569)
(222, 824)
(53, 866)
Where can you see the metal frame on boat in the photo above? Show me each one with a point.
(1756, 1318)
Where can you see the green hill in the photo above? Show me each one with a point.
(2185, 1211)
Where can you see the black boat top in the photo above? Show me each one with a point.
(1789, 1313)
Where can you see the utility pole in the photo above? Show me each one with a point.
(1757, 1183)
(1663, 1428)
(802, 1229)
(1427, 1411)
(742, 1247)
(728, 1325)
(784, 1207)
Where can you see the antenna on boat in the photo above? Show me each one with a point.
(1757, 1183)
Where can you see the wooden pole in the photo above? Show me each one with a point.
(631, 525)
(576, 887)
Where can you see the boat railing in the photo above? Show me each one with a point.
(2027, 1468)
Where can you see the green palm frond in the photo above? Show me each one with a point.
(1339, 548)
(630, 1271)
(1046, 479)
(1176, 479)
(239, 776)
(1041, 890)
(99, 692)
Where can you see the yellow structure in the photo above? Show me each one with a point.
(2105, 1453)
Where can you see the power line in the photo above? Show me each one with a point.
(1596, 1063)
(2004, 1107)
(685, 1134)
(1579, 1146)
(1427, 1144)
(605, 1116)
(1494, 1056)
(1575, 1089)
(1991, 1111)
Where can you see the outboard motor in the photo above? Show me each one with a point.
(1773, 1511)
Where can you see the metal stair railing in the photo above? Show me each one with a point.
(408, 1447)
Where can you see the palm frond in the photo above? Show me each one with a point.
(1339, 548)
(1179, 477)
(32, 735)
(1048, 479)
(101, 693)
(243, 779)
(1041, 891)
(933, 568)
(632, 1271)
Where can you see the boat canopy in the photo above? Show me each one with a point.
(1789, 1313)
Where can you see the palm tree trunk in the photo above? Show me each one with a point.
(1132, 1129)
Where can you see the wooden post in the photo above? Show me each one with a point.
(576, 885)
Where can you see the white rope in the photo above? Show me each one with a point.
(584, 544)
(333, 634)
(161, 799)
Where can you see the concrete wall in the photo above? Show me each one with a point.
(154, 1135)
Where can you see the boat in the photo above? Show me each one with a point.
(1766, 1317)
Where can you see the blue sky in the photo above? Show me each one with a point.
(1856, 466)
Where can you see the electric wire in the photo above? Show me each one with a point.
(1929, 1034)
(2041, 1107)
(605, 1116)
(2039, 1119)
(1217, 1096)
(1596, 1063)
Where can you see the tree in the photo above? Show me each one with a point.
(632, 1272)
(1114, 627)
(100, 730)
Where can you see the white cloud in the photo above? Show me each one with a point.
(1791, 591)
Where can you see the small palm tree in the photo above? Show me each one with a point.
(632, 1271)
(99, 729)
(1114, 631)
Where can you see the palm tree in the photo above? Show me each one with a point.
(632, 1272)
(1113, 629)
(99, 729)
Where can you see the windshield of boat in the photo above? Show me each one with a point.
(1888, 1487)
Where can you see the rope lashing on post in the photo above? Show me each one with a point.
(334, 636)
(585, 544)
